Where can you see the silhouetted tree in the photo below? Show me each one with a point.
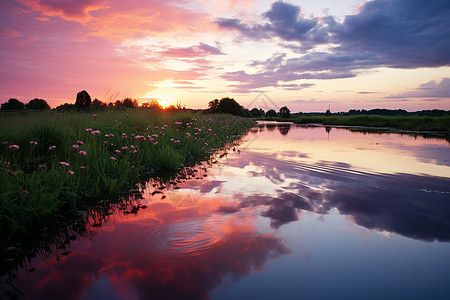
(65, 107)
(285, 112)
(13, 104)
(255, 113)
(129, 103)
(37, 104)
(230, 106)
(271, 113)
(213, 106)
(83, 100)
(98, 105)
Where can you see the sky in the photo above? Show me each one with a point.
(306, 55)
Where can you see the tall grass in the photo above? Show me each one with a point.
(55, 164)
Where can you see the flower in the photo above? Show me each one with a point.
(33, 143)
(82, 152)
(52, 147)
(113, 158)
(80, 143)
(14, 147)
(43, 166)
(70, 172)
(89, 129)
(206, 144)
(117, 151)
(132, 167)
(62, 163)
(25, 192)
(75, 146)
(83, 167)
(94, 115)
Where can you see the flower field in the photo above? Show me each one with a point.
(56, 164)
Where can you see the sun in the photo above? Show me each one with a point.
(164, 103)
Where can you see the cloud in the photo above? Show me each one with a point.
(431, 89)
(69, 9)
(199, 50)
(396, 34)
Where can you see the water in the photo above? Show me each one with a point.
(293, 212)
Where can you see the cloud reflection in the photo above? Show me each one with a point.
(165, 252)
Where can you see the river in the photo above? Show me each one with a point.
(292, 212)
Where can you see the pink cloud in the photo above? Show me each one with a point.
(69, 9)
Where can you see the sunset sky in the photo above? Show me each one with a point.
(349, 54)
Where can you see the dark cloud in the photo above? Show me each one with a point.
(430, 89)
(397, 34)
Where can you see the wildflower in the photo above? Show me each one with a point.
(126, 115)
(117, 151)
(80, 143)
(25, 192)
(75, 146)
(124, 148)
(113, 158)
(94, 132)
(11, 172)
(62, 163)
(188, 134)
(70, 172)
(115, 121)
(5, 143)
(83, 167)
(94, 115)
(33, 143)
(43, 166)
(14, 147)
(89, 129)
(52, 147)
(206, 144)
(132, 167)
(82, 152)
(7, 163)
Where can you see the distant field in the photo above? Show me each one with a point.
(413, 123)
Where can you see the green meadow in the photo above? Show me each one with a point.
(57, 164)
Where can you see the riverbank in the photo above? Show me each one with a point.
(412, 123)
(53, 165)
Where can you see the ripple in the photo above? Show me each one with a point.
(185, 238)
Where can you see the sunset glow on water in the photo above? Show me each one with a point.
(288, 211)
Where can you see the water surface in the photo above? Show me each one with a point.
(293, 212)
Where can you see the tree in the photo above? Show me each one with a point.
(230, 106)
(37, 104)
(83, 100)
(213, 106)
(98, 105)
(255, 113)
(129, 103)
(271, 113)
(13, 104)
(285, 112)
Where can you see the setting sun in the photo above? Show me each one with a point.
(164, 103)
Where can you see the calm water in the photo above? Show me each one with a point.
(292, 213)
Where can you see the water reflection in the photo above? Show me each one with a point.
(225, 223)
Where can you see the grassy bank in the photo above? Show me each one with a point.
(57, 164)
(415, 123)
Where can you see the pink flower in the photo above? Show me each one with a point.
(52, 147)
(25, 192)
(117, 151)
(113, 158)
(94, 115)
(206, 144)
(80, 143)
(89, 129)
(132, 167)
(43, 166)
(33, 143)
(62, 163)
(14, 147)
(83, 167)
(70, 172)
(82, 152)
(75, 146)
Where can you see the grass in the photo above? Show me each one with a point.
(412, 123)
(53, 165)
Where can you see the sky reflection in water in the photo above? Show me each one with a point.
(297, 212)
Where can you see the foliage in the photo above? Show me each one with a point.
(37, 104)
(285, 112)
(13, 104)
(83, 100)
